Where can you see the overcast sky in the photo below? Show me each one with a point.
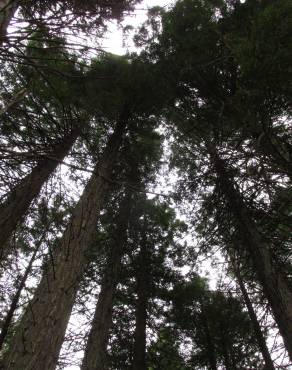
(113, 41)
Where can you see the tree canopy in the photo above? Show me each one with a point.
(145, 199)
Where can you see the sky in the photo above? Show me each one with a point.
(113, 41)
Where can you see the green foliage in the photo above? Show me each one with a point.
(164, 354)
(217, 325)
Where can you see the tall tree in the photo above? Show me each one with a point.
(50, 308)
(208, 84)
(139, 352)
(269, 365)
(275, 285)
(146, 279)
(220, 330)
(19, 200)
(95, 356)
(140, 153)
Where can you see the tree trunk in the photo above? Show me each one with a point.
(225, 347)
(15, 300)
(139, 359)
(95, 356)
(41, 332)
(20, 198)
(275, 285)
(269, 365)
(7, 11)
(209, 341)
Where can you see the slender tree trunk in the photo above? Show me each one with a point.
(139, 359)
(269, 365)
(7, 11)
(14, 303)
(41, 332)
(209, 341)
(95, 357)
(275, 285)
(225, 345)
(20, 198)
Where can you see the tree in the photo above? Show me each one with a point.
(208, 99)
(273, 281)
(89, 15)
(95, 356)
(141, 150)
(207, 85)
(144, 285)
(164, 353)
(16, 205)
(53, 300)
(219, 328)
(269, 365)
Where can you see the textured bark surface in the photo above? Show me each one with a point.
(269, 365)
(139, 358)
(7, 10)
(275, 285)
(95, 356)
(20, 198)
(15, 301)
(41, 331)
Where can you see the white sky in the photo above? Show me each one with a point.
(113, 41)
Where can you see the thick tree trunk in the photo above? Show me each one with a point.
(20, 198)
(275, 285)
(95, 356)
(269, 365)
(139, 359)
(40, 334)
(7, 11)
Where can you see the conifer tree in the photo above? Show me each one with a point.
(53, 300)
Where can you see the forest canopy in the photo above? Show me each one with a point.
(146, 198)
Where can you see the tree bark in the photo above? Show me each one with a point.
(269, 365)
(7, 11)
(41, 332)
(95, 356)
(139, 358)
(275, 284)
(14, 303)
(209, 341)
(20, 198)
